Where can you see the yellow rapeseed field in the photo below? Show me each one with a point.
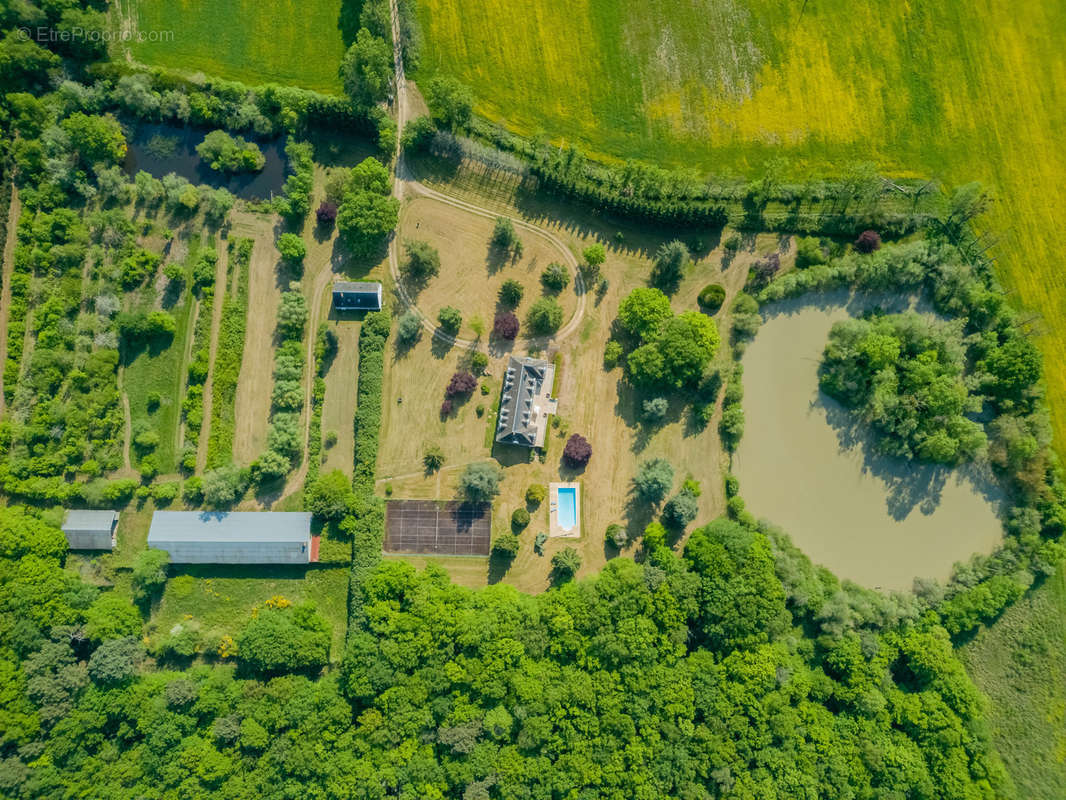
(953, 90)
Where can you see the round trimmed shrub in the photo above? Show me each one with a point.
(519, 519)
(868, 241)
(711, 297)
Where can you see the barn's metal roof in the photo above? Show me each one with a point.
(230, 526)
(79, 519)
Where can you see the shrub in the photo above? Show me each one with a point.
(227, 153)
(732, 243)
(594, 256)
(555, 277)
(545, 316)
(670, 262)
(292, 315)
(326, 213)
(503, 233)
(330, 495)
(511, 292)
(654, 479)
(655, 409)
(479, 362)
(450, 319)
(711, 297)
(409, 328)
(868, 241)
(446, 407)
(461, 383)
(680, 510)
(519, 519)
(505, 545)
(433, 457)
(616, 535)
(480, 482)
(505, 326)
(538, 543)
(809, 253)
(149, 574)
(423, 260)
(536, 494)
(566, 563)
(578, 451)
(292, 248)
(731, 426)
(654, 536)
(612, 353)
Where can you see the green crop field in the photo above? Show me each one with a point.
(951, 90)
(292, 42)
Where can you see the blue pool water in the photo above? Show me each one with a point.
(566, 513)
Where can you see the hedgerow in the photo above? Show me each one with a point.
(228, 354)
(366, 523)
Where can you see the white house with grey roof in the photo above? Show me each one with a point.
(526, 402)
(90, 530)
(356, 296)
(233, 537)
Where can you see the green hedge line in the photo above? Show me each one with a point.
(318, 397)
(228, 356)
(366, 523)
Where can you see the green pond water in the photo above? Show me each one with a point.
(806, 464)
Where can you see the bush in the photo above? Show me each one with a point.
(479, 362)
(505, 545)
(809, 253)
(565, 564)
(654, 479)
(292, 249)
(578, 451)
(616, 535)
(555, 277)
(223, 486)
(450, 319)
(654, 536)
(519, 519)
(409, 328)
(480, 482)
(149, 574)
(612, 353)
(433, 458)
(868, 241)
(655, 409)
(292, 315)
(511, 292)
(327, 213)
(545, 316)
(227, 153)
(680, 510)
(711, 297)
(505, 326)
(330, 495)
(446, 408)
(536, 494)
(670, 262)
(422, 262)
(503, 233)
(461, 383)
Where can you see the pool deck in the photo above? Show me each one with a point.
(554, 529)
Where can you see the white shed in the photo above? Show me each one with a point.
(232, 537)
(90, 530)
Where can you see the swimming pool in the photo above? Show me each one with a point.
(566, 512)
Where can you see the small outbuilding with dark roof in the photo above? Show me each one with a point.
(90, 530)
(356, 296)
(232, 537)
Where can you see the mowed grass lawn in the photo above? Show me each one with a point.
(952, 90)
(290, 42)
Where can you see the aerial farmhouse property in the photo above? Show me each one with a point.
(90, 530)
(526, 402)
(234, 537)
(356, 296)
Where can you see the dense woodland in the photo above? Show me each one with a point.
(730, 667)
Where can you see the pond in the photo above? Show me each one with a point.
(162, 149)
(806, 464)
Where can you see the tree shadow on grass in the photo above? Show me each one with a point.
(498, 567)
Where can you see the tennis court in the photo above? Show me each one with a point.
(447, 528)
